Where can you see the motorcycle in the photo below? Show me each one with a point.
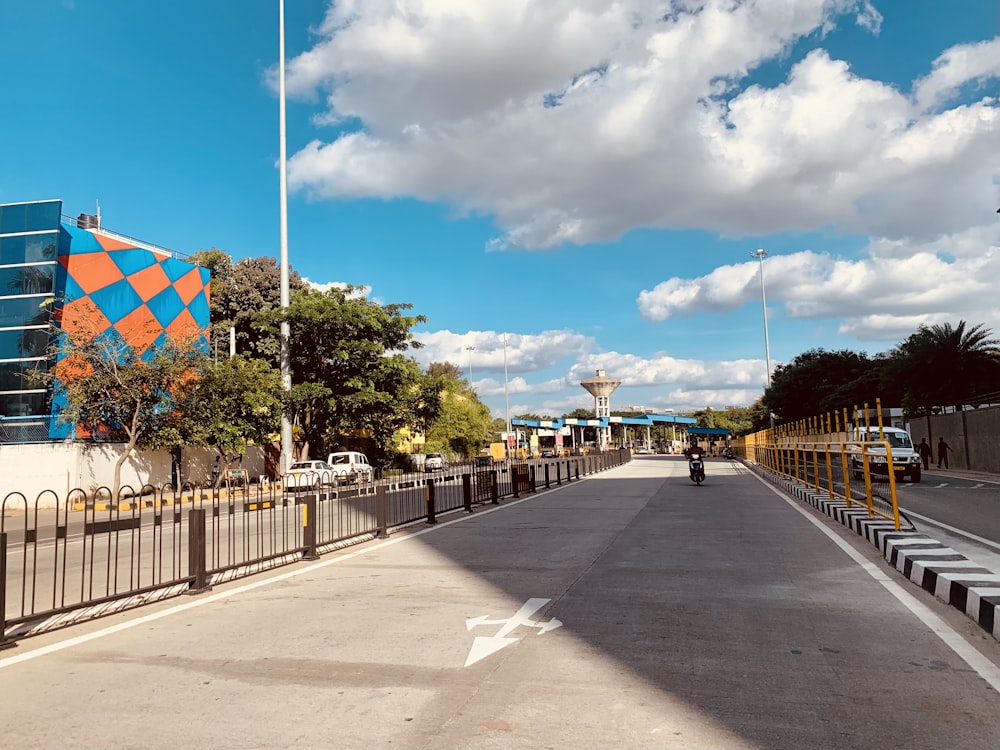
(696, 466)
(728, 453)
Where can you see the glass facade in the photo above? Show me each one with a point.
(29, 242)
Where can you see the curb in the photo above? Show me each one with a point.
(935, 567)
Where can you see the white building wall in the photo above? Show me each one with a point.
(54, 469)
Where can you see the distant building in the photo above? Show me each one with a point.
(99, 279)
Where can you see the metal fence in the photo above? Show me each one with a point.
(817, 453)
(68, 559)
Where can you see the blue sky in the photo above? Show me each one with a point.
(588, 178)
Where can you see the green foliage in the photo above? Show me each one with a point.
(108, 387)
(349, 373)
(945, 365)
(240, 291)
(580, 414)
(937, 366)
(233, 402)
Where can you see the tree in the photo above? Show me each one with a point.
(461, 422)
(813, 381)
(233, 402)
(107, 386)
(350, 376)
(945, 365)
(240, 291)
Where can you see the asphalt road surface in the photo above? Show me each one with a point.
(628, 610)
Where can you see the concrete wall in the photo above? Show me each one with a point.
(974, 437)
(60, 467)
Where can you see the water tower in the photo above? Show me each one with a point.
(601, 387)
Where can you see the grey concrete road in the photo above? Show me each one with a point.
(629, 610)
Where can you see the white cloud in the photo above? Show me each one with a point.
(881, 297)
(575, 122)
(524, 353)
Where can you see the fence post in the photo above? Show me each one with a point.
(431, 518)
(531, 479)
(309, 529)
(495, 487)
(546, 476)
(467, 492)
(382, 512)
(196, 551)
(515, 475)
(558, 473)
(577, 465)
(4, 643)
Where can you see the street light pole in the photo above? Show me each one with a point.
(506, 395)
(285, 331)
(470, 350)
(760, 254)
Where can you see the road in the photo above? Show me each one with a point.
(959, 509)
(631, 609)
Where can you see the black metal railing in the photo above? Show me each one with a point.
(68, 559)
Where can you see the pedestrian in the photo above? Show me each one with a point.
(924, 449)
(216, 470)
(943, 449)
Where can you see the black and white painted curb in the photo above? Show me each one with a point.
(933, 566)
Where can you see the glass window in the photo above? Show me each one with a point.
(42, 215)
(23, 404)
(27, 279)
(21, 342)
(12, 375)
(28, 248)
(12, 250)
(40, 247)
(22, 311)
(12, 218)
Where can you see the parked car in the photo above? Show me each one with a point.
(434, 462)
(548, 453)
(308, 475)
(351, 467)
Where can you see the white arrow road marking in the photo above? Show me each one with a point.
(484, 646)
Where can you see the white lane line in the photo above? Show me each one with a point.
(211, 598)
(953, 530)
(953, 640)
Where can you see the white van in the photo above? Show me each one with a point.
(905, 458)
(351, 467)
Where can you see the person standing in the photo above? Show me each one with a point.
(924, 449)
(942, 451)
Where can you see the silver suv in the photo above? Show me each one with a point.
(433, 462)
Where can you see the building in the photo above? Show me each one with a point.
(96, 278)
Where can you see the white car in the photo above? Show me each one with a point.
(905, 458)
(308, 475)
(433, 462)
(351, 467)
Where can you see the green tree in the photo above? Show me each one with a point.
(947, 365)
(461, 423)
(107, 387)
(233, 403)
(812, 382)
(240, 292)
(350, 374)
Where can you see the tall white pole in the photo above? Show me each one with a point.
(760, 254)
(285, 331)
(470, 350)
(506, 395)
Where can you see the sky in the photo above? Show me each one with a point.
(558, 186)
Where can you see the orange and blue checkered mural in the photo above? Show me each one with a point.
(141, 295)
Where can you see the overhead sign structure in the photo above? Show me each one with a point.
(483, 646)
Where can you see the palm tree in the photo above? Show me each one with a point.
(949, 365)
